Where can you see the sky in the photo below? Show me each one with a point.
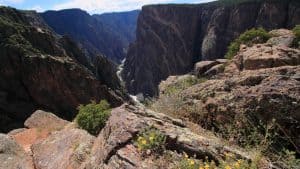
(92, 6)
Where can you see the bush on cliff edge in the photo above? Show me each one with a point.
(250, 37)
(296, 42)
(92, 117)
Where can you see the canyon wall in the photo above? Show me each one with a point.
(39, 70)
(172, 38)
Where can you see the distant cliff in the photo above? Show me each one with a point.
(122, 24)
(39, 70)
(109, 34)
(171, 38)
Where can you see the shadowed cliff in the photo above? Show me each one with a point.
(171, 38)
(39, 69)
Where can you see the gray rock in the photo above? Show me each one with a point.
(12, 156)
(215, 70)
(203, 66)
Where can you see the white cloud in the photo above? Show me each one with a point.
(11, 1)
(100, 6)
(37, 8)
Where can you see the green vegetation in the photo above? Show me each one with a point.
(296, 42)
(171, 101)
(13, 28)
(183, 84)
(93, 117)
(230, 162)
(249, 38)
(151, 139)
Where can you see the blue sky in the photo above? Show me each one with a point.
(92, 6)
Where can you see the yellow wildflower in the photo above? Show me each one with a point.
(237, 165)
(201, 168)
(192, 162)
(227, 167)
(140, 138)
(206, 166)
(144, 141)
(151, 138)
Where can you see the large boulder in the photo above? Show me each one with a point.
(63, 149)
(41, 119)
(282, 37)
(12, 156)
(267, 56)
(39, 126)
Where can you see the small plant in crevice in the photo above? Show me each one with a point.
(296, 31)
(92, 117)
(230, 162)
(150, 141)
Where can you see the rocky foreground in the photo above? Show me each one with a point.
(49, 142)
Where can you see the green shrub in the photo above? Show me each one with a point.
(249, 37)
(92, 117)
(151, 139)
(183, 84)
(296, 42)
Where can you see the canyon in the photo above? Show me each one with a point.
(151, 89)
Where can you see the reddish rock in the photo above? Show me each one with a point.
(66, 149)
(12, 156)
(45, 120)
(265, 56)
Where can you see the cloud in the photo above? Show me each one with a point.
(100, 6)
(11, 1)
(37, 8)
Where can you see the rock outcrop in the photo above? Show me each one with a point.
(172, 38)
(38, 71)
(261, 83)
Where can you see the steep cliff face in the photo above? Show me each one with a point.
(99, 33)
(123, 24)
(171, 38)
(40, 70)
